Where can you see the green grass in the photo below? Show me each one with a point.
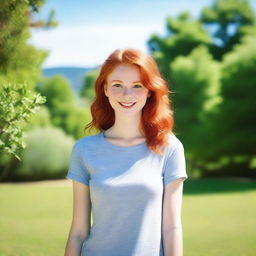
(218, 218)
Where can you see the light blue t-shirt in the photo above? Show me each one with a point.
(126, 189)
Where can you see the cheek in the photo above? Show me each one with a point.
(141, 93)
(115, 91)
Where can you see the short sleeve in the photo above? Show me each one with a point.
(175, 163)
(77, 170)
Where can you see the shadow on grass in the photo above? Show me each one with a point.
(215, 185)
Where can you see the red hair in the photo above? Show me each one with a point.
(157, 116)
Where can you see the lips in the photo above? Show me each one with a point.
(127, 105)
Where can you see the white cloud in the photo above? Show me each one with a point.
(90, 45)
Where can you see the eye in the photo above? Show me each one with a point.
(117, 85)
(139, 86)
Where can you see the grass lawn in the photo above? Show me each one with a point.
(219, 218)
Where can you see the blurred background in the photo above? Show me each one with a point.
(50, 54)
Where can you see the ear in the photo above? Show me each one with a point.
(149, 94)
(105, 90)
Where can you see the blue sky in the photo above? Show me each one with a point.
(89, 31)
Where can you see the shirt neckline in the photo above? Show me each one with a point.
(114, 146)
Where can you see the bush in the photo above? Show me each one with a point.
(46, 155)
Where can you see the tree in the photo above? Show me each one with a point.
(232, 151)
(87, 90)
(62, 104)
(225, 16)
(196, 85)
(205, 98)
(17, 104)
(238, 105)
(183, 35)
(19, 71)
(59, 96)
(20, 61)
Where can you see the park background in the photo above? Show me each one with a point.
(50, 55)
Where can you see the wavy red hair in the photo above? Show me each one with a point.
(157, 116)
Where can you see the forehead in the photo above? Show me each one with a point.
(125, 72)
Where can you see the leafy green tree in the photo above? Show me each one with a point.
(196, 85)
(235, 121)
(59, 96)
(87, 90)
(16, 105)
(202, 96)
(231, 20)
(57, 90)
(63, 106)
(183, 35)
(19, 61)
(19, 69)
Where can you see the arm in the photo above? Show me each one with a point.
(172, 227)
(81, 221)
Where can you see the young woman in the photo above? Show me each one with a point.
(131, 173)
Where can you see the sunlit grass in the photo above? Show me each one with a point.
(218, 218)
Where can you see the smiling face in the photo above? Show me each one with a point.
(124, 89)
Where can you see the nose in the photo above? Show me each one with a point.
(127, 91)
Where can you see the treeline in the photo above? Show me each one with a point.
(209, 63)
(40, 118)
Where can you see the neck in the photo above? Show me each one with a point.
(126, 126)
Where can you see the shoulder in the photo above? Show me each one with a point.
(174, 143)
(86, 142)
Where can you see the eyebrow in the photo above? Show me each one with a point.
(120, 81)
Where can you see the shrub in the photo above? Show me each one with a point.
(46, 155)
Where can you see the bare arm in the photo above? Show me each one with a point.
(81, 220)
(172, 226)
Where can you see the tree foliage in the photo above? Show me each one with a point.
(238, 107)
(231, 20)
(183, 35)
(59, 96)
(196, 85)
(209, 64)
(17, 104)
(20, 69)
(19, 61)
(87, 90)
(64, 111)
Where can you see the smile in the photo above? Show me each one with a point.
(127, 105)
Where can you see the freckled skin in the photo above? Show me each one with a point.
(126, 90)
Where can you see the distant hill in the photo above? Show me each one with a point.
(75, 75)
